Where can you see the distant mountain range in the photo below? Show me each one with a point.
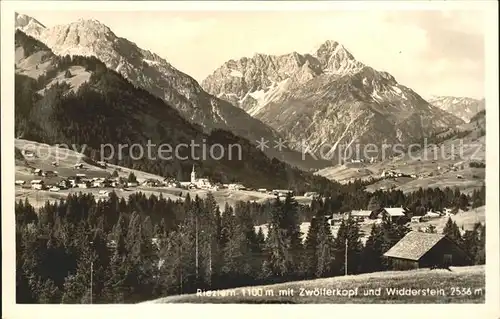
(78, 100)
(462, 107)
(327, 97)
(149, 71)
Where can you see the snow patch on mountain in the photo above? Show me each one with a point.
(236, 73)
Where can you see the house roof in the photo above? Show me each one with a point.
(363, 213)
(396, 211)
(414, 245)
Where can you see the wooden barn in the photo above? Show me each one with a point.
(394, 214)
(425, 250)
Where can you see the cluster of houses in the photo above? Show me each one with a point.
(393, 214)
(418, 249)
(394, 174)
(202, 183)
(371, 160)
(80, 180)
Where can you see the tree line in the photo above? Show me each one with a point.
(150, 247)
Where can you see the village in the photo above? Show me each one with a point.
(423, 247)
(106, 178)
(80, 178)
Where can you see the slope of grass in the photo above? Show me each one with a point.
(460, 285)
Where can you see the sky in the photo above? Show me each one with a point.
(432, 52)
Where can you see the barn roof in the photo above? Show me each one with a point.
(414, 245)
(363, 213)
(395, 211)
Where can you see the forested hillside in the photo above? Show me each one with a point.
(146, 247)
(110, 110)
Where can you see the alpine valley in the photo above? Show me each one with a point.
(79, 101)
(320, 103)
(147, 70)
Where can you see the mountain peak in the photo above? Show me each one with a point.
(28, 24)
(23, 20)
(90, 25)
(335, 58)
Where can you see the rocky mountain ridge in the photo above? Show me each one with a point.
(462, 107)
(327, 100)
(151, 72)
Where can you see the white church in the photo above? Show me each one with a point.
(202, 183)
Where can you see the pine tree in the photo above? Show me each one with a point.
(291, 224)
(49, 293)
(480, 257)
(374, 204)
(374, 249)
(325, 250)
(311, 248)
(349, 236)
(132, 178)
(471, 243)
(452, 231)
(431, 229)
(261, 239)
(278, 243)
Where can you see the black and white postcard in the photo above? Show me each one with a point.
(219, 153)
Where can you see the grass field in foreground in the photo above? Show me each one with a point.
(460, 285)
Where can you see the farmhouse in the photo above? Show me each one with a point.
(169, 182)
(102, 164)
(394, 214)
(29, 154)
(64, 184)
(104, 193)
(98, 183)
(235, 187)
(37, 184)
(430, 215)
(423, 250)
(360, 215)
(417, 219)
(78, 166)
(311, 194)
(151, 183)
(282, 192)
(37, 171)
(49, 174)
(82, 185)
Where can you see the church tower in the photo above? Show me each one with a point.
(193, 176)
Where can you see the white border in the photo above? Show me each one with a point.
(10, 310)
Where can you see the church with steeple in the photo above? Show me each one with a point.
(203, 183)
(193, 176)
